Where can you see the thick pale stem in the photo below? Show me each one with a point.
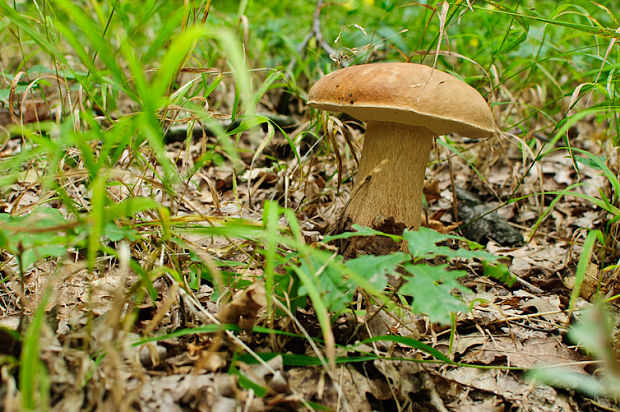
(391, 176)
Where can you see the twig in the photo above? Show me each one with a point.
(315, 32)
(179, 132)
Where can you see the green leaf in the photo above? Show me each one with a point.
(47, 240)
(360, 231)
(4, 240)
(37, 251)
(129, 207)
(335, 290)
(115, 233)
(374, 268)
(422, 242)
(5, 93)
(591, 162)
(499, 271)
(432, 290)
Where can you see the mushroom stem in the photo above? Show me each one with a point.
(395, 157)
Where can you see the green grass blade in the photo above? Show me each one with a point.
(32, 373)
(411, 343)
(270, 217)
(313, 291)
(582, 266)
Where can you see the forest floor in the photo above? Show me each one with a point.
(116, 304)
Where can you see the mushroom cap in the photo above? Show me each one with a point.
(405, 93)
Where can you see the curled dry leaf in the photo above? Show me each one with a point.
(211, 361)
(589, 284)
(243, 309)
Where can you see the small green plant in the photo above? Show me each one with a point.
(431, 285)
(41, 234)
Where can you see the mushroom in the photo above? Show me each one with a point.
(404, 106)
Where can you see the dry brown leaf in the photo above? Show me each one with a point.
(549, 307)
(243, 309)
(438, 225)
(212, 361)
(355, 387)
(431, 190)
(506, 350)
(5, 117)
(507, 386)
(36, 111)
(401, 376)
(198, 392)
(549, 257)
(490, 404)
(590, 282)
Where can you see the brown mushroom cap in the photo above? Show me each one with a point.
(405, 93)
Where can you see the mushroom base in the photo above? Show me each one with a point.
(391, 175)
